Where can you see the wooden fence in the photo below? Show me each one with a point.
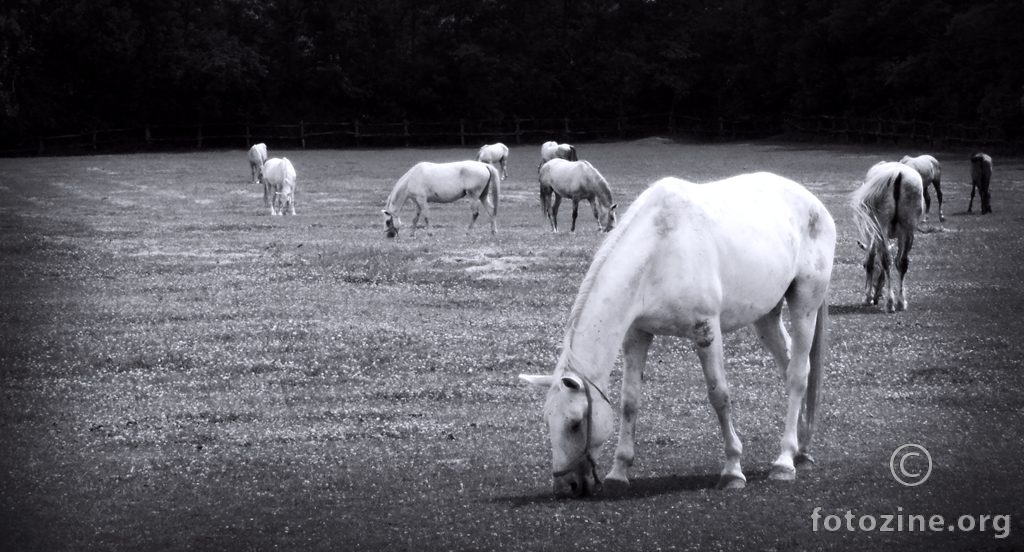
(465, 132)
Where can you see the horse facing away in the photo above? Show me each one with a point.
(695, 261)
(257, 157)
(931, 174)
(495, 153)
(443, 183)
(552, 150)
(279, 180)
(575, 180)
(888, 205)
(981, 177)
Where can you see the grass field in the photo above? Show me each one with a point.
(179, 370)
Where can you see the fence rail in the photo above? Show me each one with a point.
(365, 133)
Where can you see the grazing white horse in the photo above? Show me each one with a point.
(552, 150)
(443, 183)
(888, 205)
(981, 177)
(257, 157)
(279, 178)
(495, 153)
(695, 261)
(575, 180)
(931, 175)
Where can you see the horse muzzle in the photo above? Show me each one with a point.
(578, 480)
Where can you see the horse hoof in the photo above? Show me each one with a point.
(942, 218)
(729, 482)
(613, 486)
(804, 460)
(901, 306)
(782, 473)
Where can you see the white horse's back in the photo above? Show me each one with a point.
(428, 182)
(744, 240)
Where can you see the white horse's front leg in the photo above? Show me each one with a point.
(634, 353)
(802, 323)
(575, 210)
(707, 335)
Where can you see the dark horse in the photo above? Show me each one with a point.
(981, 175)
(888, 205)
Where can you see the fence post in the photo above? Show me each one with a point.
(355, 131)
(519, 132)
(405, 131)
(567, 131)
(94, 140)
(199, 136)
(248, 137)
(462, 131)
(302, 133)
(41, 148)
(149, 138)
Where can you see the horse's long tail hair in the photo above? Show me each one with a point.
(868, 201)
(572, 154)
(493, 183)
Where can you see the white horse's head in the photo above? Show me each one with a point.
(579, 419)
(391, 224)
(607, 218)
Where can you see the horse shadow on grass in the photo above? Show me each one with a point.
(642, 487)
(839, 310)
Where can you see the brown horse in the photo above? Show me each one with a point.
(981, 175)
(888, 205)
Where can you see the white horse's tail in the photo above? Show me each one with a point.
(866, 201)
(572, 154)
(493, 182)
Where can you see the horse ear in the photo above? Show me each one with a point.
(614, 205)
(539, 381)
(386, 212)
(572, 382)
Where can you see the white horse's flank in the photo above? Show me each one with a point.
(443, 183)
(257, 157)
(279, 178)
(552, 150)
(576, 181)
(495, 153)
(931, 175)
(695, 261)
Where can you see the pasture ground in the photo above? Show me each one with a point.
(179, 370)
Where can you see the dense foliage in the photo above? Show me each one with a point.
(68, 65)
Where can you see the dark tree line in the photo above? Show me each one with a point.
(71, 65)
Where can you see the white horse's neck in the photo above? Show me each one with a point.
(396, 201)
(605, 309)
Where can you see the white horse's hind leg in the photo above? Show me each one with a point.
(708, 337)
(802, 322)
(772, 333)
(554, 212)
(634, 354)
(474, 210)
(906, 241)
(575, 210)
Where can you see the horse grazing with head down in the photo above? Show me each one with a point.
(981, 177)
(443, 183)
(888, 205)
(931, 175)
(695, 261)
(575, 180)
(279, 180)
(495, 153)
(257, 157)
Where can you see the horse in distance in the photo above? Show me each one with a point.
(279, 180)
(495, 153)
(553, 150)
(981, 177)
(698, 262)
(257, 157)
(889, 204)
(576, 181)
(427, 183)
(931, 175)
